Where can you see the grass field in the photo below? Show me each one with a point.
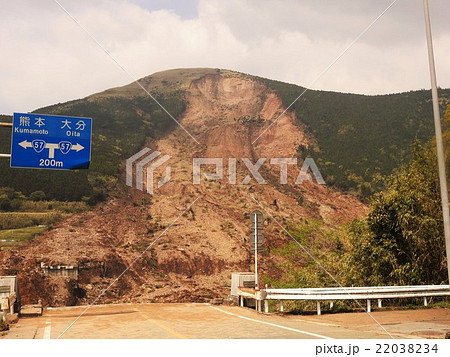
(33, 218)
(14, 238)
(13, 220)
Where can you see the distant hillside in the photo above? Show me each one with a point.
(190, 256)
(355, 137)
(359, 137)
(209, 221)
(121, 125)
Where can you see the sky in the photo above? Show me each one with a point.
(47, 58)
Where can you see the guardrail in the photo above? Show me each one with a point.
(341, 293)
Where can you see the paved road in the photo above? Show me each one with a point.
(167, 321)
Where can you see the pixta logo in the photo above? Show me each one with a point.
(149, 161)
(144, 158)
(253, 169)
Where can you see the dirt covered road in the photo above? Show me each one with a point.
(200, 321)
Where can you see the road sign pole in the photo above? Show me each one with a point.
(439, 142)
(256, 252)
(2, 124)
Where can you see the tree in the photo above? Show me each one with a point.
(402, 241)
(37, 196)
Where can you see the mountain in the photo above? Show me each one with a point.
(191, 250)
(381, 127)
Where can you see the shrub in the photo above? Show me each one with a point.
(37, 196)
(4, 325)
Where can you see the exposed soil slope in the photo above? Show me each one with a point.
(191, 256)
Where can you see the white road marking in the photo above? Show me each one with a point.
(270, 324)
(47, 330)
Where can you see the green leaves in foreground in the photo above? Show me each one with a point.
(402, 241)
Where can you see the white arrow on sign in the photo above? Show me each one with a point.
(77, 147)
(51, 147)
(25, 144)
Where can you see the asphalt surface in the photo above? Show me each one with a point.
(203, 321)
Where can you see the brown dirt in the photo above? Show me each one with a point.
(193, 259)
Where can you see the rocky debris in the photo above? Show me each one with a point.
(31, 310)
(191, 261)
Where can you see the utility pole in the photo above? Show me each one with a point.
(439, 141)
(256, 251)
(256, 239)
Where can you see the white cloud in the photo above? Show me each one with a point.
(47, 58)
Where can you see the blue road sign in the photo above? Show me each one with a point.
(51, 142)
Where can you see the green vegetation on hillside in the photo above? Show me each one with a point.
(120, 128)
(32, 200)
(360, 138)
(16, 238)
(401, 242)
(329, 246)
(22, 217)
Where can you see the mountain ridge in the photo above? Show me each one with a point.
(382, 127)
(193, 260)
